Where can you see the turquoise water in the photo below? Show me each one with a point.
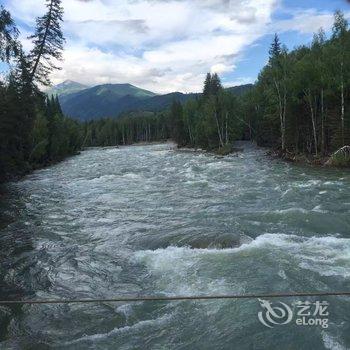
(150, 220)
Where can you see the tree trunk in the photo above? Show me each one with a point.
(282, 117)
(342, 105)
(226, 129)
(322, 123)
(218, 128)
(313, 119)
(190, 134)
(297, 140)
(284, 113)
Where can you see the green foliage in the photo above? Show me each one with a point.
(275, 49)
(48, 43)
(211, 121)
(299, 104)
(301, 99)
(224, 151)
(128, 129)
(340, 26)
(178, 127)
(40, 139)
(340, 160)
(33, 130)
(8, 36)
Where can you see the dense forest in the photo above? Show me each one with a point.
(33, 130)
(127, 129)
(299, 104)
(301, 99)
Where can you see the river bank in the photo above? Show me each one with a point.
(292, 157)
(319, 161)
(30, 168)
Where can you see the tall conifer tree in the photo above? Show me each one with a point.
(48, 42)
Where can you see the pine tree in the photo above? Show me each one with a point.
(176, 114)
(212, 85)
(58, 106)
(207, 86)
(48, 43)
(275, 48)
(28, 97)
(216, 86)
(9, 46)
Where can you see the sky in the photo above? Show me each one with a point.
(169, 45)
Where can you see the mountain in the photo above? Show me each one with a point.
(65, 88)
(107, 100)
(161, 102)
(240, 89)
(110, 100)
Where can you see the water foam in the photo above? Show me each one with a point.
(331, 343)
(327, 255)
(139, 326)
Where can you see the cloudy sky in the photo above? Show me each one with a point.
(169, 45)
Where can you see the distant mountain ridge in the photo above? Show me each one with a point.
(110, 100)
(65, 88)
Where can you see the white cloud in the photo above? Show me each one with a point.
(306, 21)
(221, 68)
(161, 45)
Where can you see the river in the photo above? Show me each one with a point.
(151, 220)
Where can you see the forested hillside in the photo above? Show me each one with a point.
(112, 100)
(107, 100)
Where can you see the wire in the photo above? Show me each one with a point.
(175, 298)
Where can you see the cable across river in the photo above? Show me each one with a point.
(175, 298)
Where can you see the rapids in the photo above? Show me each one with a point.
(151, 220)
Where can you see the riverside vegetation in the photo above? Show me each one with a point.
(298, 106)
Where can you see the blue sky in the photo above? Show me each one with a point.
(256, 55)
(169, 45)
